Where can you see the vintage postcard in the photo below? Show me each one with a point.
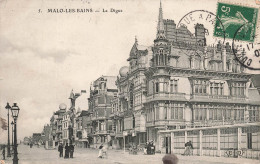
(129, 81)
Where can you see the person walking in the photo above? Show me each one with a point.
(105, 151)
(100, 153)
(3, 152)
(188, 147)
(60, 149)
(71, 149)
(31, 145)
(67, 151)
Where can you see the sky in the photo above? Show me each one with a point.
(43, 56)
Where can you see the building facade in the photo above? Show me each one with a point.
(201, 95)
(127, 108)
(101, 94)
(177, 90)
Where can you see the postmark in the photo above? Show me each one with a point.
(207, 20)
(232, 17)
(247, 53)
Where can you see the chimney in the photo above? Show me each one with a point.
(205, 59)
(224, 59)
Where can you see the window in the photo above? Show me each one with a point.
(210, 114)
(161, 57)
(200, 112)
(165, 113)
(209, 140)
(157, 113)
(216, 88)
(254, 113)
(228, 138)
(172, 113)
(156, 87)
(238, 89)
(161, 87)
(176, 113)
(200, 86)
(249, 140)
(180, 113)
(173, 86)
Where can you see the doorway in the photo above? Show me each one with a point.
(168, 145)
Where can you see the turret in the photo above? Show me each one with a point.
(161, 48)
(160, 27)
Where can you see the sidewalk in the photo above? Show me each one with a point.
(82, 155)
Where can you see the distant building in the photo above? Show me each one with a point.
(56, 126)
(59, 113)
(26, 141)
(36, 138)
(101, 94)
(46, 136)
(81, 129)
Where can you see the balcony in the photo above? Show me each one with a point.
(217, 98)
(116, 114)
(94, 118)
(166, 96)
(163, 123)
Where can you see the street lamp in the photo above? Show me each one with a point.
(8, 140)
(15, 112)
(12, 123)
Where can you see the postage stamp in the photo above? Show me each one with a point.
(234, 17)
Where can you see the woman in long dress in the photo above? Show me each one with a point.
(67, 150)
(100, 153)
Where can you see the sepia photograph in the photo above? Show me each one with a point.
(129, 81)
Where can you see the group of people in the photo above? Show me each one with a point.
(69, 150)
(149, 148)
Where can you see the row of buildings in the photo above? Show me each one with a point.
(179, 89)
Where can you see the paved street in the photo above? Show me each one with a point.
(36, 155)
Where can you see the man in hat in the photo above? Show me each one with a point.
(71, 150)
(60, 149)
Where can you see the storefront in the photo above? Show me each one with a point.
(241, 140)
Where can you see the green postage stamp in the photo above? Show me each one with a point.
(233, 18)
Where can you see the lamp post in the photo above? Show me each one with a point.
(12, 123)
(8, 140)
(15, 112)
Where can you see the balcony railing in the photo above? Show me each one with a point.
(208, 123)
(219, 97)
(166, 96)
